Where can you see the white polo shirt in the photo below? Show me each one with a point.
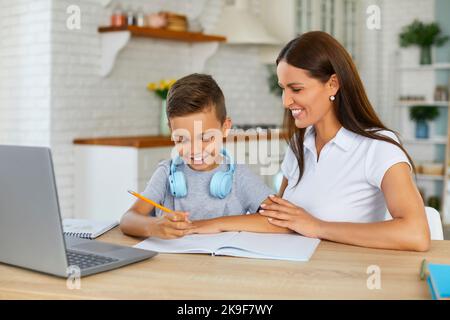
(345, 184)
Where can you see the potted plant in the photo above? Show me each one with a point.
(272, 80)
(161, 89)
(422, 114)
(425, 36)
(434, 202)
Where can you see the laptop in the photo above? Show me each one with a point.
(31, 233)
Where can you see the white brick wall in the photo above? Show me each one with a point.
(24, 72)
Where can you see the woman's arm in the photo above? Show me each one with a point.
(249, 222)
(407, 231)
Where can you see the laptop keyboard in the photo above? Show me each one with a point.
(87, 260)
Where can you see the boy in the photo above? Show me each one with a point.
(203, 183)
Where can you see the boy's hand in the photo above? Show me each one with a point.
(171, 225)
(205, 226)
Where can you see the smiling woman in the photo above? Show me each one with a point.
(363, 166)
(343, 168)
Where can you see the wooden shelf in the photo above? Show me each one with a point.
(410, 103)
(434, 140)
(165, 34)
(430, 177)
(114, 39)
(165, 141)
(429, 67)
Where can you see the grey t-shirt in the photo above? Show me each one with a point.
(247, 193)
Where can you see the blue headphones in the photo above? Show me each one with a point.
(219, 186)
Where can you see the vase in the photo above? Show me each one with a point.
(164, 129)
(421, 129)
(425, 55)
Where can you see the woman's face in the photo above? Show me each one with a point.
(307, 98)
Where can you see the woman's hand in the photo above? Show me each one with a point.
(205, 226)
(282, 213)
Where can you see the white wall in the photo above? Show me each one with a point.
(24, 72)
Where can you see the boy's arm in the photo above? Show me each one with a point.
(250, 222)
(136, 222)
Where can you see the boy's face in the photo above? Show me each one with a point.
(198, 138)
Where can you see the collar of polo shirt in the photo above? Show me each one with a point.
(344, 139)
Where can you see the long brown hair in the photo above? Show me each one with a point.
(322, 56)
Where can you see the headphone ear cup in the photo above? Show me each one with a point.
(220, 185)
(178, 186)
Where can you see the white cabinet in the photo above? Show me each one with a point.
(103, 174)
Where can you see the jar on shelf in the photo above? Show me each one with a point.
(118, 17)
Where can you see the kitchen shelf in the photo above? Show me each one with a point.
(430, 177)
(165, 34)
(431, 67)
(153, 141)
(114, 39)
(410, 103)
(436, 140)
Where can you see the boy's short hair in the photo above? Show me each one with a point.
(195, 93)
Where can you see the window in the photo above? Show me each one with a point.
(337, 17)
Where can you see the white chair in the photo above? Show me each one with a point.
(434, 222)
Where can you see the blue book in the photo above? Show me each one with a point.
(439, 280)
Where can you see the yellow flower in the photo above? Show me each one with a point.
(151, 86)
(162, 84)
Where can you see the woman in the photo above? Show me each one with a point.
(343, 168)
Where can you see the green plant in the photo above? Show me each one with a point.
(419, 113)
(434, 202)
(422, 34)
(273, 81)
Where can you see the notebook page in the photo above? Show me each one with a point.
(195, 243)
(270, 246)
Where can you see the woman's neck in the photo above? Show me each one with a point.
(326, 129)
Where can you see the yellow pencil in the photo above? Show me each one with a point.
(150, 201)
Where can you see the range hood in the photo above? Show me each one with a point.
(241, 27)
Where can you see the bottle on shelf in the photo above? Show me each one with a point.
(131, 17)
(140, 17)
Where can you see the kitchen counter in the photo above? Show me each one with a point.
(153, 141)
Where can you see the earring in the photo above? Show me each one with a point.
(332, 98)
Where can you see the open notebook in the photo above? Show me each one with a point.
(238, 244)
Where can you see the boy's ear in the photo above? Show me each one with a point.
(226, 127)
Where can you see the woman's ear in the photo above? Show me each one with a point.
(226, 127)
(333, 84)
